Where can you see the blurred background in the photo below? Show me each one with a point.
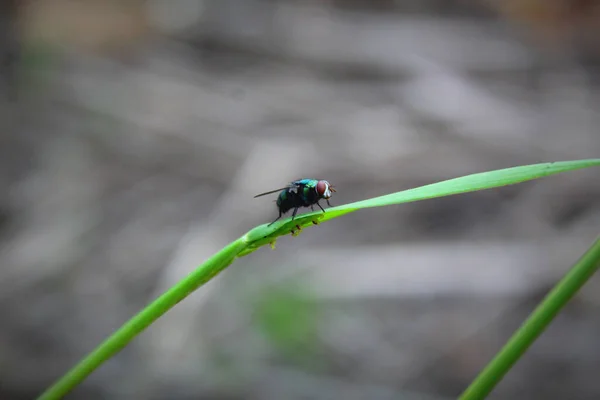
(135, 134)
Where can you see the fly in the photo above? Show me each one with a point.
(301, 193)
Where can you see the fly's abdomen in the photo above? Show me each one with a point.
(285, 201)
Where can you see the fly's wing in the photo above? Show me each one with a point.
(292, 185)
(273, 191)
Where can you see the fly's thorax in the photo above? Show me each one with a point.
(307, 191)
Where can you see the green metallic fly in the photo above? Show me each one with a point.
(301, 193)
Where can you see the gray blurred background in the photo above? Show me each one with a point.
(135, 133)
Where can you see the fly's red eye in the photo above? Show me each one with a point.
(321, 187)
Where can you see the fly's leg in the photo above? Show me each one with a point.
(328, 203)
(312, 208)
(320, 206)
(275, 219)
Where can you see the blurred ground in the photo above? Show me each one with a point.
(134, 137)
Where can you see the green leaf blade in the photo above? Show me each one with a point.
(264, 234)
(474, 182)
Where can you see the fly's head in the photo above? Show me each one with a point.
(324, 189)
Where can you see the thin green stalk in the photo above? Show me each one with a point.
(535, 324)
(120, 338)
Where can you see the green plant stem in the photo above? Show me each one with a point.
(535, 324)
(120, 338)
